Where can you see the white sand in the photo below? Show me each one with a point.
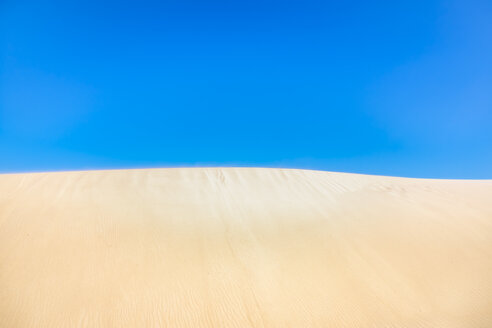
(241, 247)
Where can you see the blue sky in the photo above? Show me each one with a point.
(395, 88)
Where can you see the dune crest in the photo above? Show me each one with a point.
(243, 247)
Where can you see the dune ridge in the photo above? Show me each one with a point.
(243, 247)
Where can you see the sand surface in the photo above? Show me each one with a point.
(242, 247)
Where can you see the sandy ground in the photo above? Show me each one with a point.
(242, 247)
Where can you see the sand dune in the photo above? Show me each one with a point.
(241, 247)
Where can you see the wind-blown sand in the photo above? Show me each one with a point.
(242, 247)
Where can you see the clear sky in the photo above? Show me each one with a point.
(380, 87)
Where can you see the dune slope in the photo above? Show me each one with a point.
(243, 247)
